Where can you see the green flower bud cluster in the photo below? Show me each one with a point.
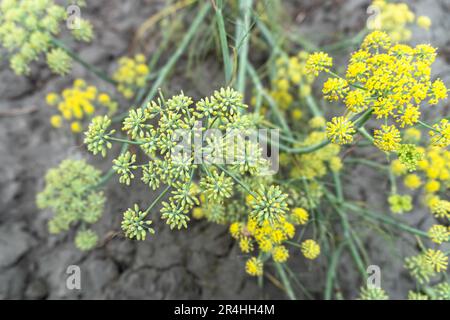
(86, 240)
(69, 193)
(156, 128)
(373, 293)
(97, 135)
(400, 203)
(419, 268)
(409, 156)
(27, 28)
(270, 204)
(134, 225)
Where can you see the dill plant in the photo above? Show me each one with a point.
(386, 84)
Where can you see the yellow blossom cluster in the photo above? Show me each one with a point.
(291, 81)
(390, 81)
(395, 19)
(316, 164)
(270, 239)
(131, 75)
(433, 174)
(78, 103)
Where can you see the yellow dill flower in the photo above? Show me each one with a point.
(300, 216)
(296, 114)
(398, 168)
(376, 40)
(277, 236)
(424, 22)
(340, 130)
(335, 164)
(280, 254)
(356, 70)
(317, 122)
(318, 62)
(409, 116)
(79, 102)
(387, 139)
(412, 135)
(252, 225)
(282, 84)
(335, 88)
(249, 199)
(103, 98)
(437, 259)
(76, 127)
(52, 99)
(79, 83)
(289, 229)
(235, 230)
(56, 121)
(412, 181)
(265, 245)
(131, 74)
(198, 213)
(400, 203)
(441, 137)
(439, 91)
(246, 244)
(432, 186)
(310, 249)
(254, 267)
(356, 100)
(439, 233)
(439, 208)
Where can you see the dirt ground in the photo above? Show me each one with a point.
(200, 263)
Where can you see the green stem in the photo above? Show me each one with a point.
(365, 134)
(285, 281)
(347, 234)
(242, 40)
(423, 124)
(243, 185)
(382, 218)
(313, 107)
(269, 99)
(338, 186)
(85, 64)
(160, 196)
(331, 272)
(366, 162)
(223, 42)
(124, 141)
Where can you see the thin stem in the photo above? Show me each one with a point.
(223, 41)
(365, 134)
(243, 35)
(85, 64)
(124, 141)
(366, 162)
(423, 124)
(285, 281)
(243, 185)
(382, 218)
(269, 99)
(338, 186)
(331, 272)
(313, 107)
(160, 196)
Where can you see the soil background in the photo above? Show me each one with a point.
(202, 262)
